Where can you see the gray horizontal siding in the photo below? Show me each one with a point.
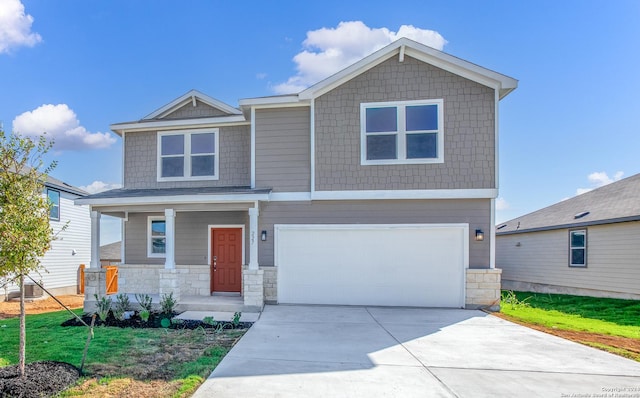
(192, 234)
(283, 149)
(140, 160)
(469, 130)
(476, 213)
(613, 258)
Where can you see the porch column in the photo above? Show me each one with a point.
(253, 238)
(170, 233)
(95, 240)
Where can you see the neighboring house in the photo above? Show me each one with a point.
(111, 254)
(368, 188)
(70, 248)
(587, 245)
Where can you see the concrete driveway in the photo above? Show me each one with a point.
(331, 351)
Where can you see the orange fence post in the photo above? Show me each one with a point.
(81, 279)
(112, 279)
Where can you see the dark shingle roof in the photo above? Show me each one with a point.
(111, 251)
(54, 183)
(615, 202)
(134, 193)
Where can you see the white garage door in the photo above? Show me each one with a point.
(419, 265)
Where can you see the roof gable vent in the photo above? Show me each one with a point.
(580, 215)
(501, 226)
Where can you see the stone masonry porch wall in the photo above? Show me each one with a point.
(483, 288)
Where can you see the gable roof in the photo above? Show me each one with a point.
(155, 120)
(60, 185)
(111, 251)
(615, 202)
(401, 47)
(191, 96)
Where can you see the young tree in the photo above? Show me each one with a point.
(25, 233)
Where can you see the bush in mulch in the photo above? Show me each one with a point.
(156, 320)
(42, 379)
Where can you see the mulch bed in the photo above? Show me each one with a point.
(42, 379)
(156, 320)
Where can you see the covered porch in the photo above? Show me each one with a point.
(200, 245)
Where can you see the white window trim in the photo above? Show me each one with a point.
(401, 133)
(571, 264)
(150, 253)
(187, 155)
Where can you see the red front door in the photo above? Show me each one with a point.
(226, 259)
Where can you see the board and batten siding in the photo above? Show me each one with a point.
(59, 265)
(283, 148)
(192, 236)
(475, 212)
(613, 258)
(469, 130)
(141, 161)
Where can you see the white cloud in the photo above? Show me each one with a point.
(502, 204)
(599, 179)
(15, 26)
(99, 186)
(261, 76)
(328, 50)
(61, 124)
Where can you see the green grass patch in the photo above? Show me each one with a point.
(185, 357)
(614, 317)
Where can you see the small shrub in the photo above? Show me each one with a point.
(122, 305)
(209, 320)
(168, 303)
(144, 315)
(236, 319)
(145, 301)
(103, 305)
(510, 298)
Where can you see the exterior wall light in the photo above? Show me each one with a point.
(263, 235)
(479, 235)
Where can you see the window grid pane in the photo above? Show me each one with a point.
(422, 117)
(172, 145)
(203, 143)
(381, 120)
(173, 166)
(203, 165)
(577, 248)
(422, 146)
(381, 147)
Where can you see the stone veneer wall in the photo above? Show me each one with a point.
(270, 284)
(144, 278)
(483, 288)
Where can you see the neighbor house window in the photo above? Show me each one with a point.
(156, 237)
(401, 132)
(578, 248)
(54, 201)
(188, 155)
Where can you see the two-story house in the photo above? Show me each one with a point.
(375, 186)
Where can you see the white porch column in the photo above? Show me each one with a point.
(253, 238)
(95, 240)
(170, 233)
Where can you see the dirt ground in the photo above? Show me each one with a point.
(625, 346)
(10, 309)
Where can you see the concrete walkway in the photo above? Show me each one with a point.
(326, 351)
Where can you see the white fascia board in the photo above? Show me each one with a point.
(158, 125)
(290, 196)
(167, 200)
(266, 101)
(423, 53)
(183, 99)
(406, 194)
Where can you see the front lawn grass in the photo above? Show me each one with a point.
(615, 317)
(178, 359)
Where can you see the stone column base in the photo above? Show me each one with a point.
(253, 289)
(169, 282)
(483, 289)
(95, 282)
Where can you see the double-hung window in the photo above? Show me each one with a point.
(188, 155)
(54, 202)
(156, 237)
(578, 248)
(402, 132)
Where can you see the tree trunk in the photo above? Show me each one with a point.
(23, 333)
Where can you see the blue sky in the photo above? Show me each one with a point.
(75, 67)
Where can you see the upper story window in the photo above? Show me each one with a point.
(156, 237)
(54, 201)
(578, 248)
(188, 155)
(403, 132)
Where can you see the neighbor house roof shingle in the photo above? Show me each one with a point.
(615, 202)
